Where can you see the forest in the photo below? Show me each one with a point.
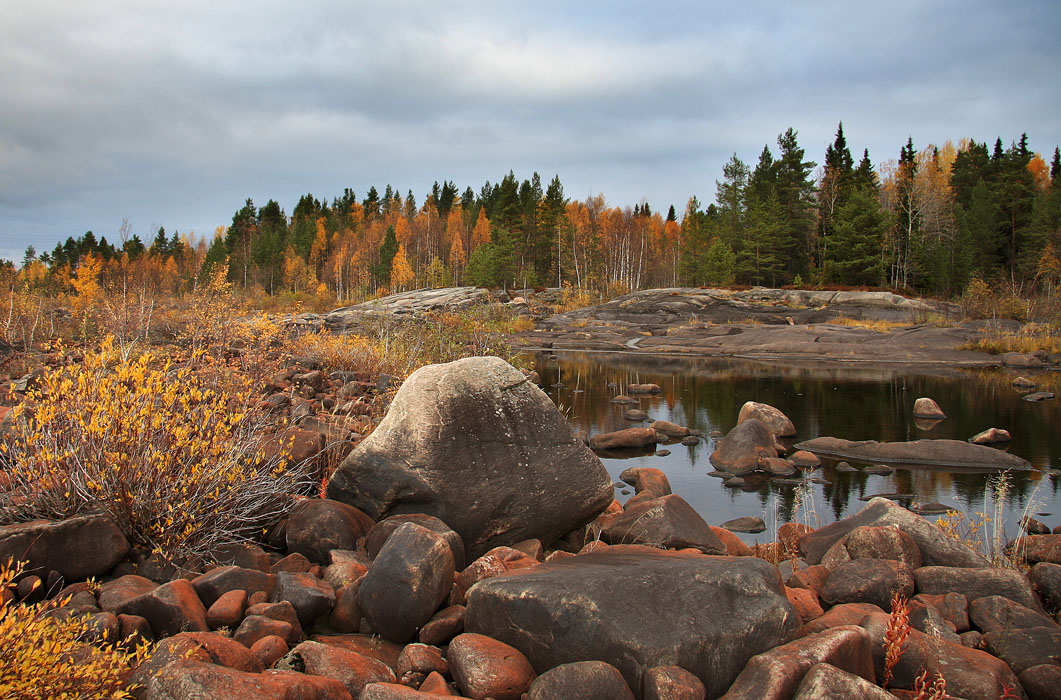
(927, 222)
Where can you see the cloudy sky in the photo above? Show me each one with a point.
(173, 113)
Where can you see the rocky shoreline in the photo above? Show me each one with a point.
(470, 547)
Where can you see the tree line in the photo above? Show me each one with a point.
(927, 221)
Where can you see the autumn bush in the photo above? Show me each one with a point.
(44, 655)
(178, 461)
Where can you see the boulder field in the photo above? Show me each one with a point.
(467, 562)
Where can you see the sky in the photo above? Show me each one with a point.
(165, 113)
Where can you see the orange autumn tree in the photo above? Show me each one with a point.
(401, 271)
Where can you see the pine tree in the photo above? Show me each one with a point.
(387, 250)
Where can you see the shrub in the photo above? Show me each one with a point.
(180, 466)
(44, 657)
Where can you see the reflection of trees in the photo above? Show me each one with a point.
(849, 402)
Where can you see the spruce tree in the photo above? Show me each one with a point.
(387, 250)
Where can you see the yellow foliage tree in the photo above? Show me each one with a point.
(481, 232)
(318, 252)
(86, 281)
(401, 271)
(457, 258)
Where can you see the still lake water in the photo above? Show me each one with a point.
(855, 403)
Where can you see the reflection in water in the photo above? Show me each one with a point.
(856, 403)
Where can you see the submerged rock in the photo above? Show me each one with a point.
(953, 453)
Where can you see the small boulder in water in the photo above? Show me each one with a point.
(927, 408)
(774, 420)
(644, 389)
(991, 436)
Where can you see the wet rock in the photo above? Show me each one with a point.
(991, 436)
(319, 525)
(668, 522)
(740, 451)
(690, 440)
(844, 467)
(484, 667)
(622, 439)
(623, 399)
(588, 680)
(672, 683)
(772, 419)
(410, 578)
(383, 529)
(75, 547)
(589, 597)
(935, 547)
(775, 674)
(171, 608)
(927, 408)
(1038, 396)
(956, 453)
(475, 444)
(867, 581)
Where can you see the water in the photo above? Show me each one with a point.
(855, 403)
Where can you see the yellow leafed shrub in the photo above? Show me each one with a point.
(44, 658)
(180, 464)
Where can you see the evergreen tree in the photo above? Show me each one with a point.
(859, 227)
(387, 250)
(795, 193)
(238, 241)
(719, 264)
(671, 214)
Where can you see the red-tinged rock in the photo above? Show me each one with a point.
(671, 430)
(977, 583)
(773, 419)
(805, 460)
(245, 556)
(351, 669)
(114, 594)
(294, 563)
(805, 602)
(346, 615)
(954, 608)
(790, 533)
(190, 679)
(925, 407)
(421, 658)
(647, 479)
(1040, 548)
(410, 578)
(1041, 682)
(344, 573)
(532, 548)
(484, 667)
(269, 649)
(364, 644)
(227, 611)
(812, 578)
(622, 439)
(257, 598)
(309, 596)
(971, 674)
(587, 680)
(735, 547)
(1024, 648)
(668, 522)
(171, 608)
(134, 630)
(379, 533)
(256, 627)
(76, 547)
(991, 436)
(867, 581)
(672, 683)
(302, 686)
(997, 614)
(395, 691)
(840, 616)
(497, 561)
(827, 682)
(443, 626)
(318, 525)
(870, 542)
(214, 584)
(206, 647)
(436, 683)
(740, 451)
(775, 674)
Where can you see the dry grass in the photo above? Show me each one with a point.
(868, 324)
(1032, 338)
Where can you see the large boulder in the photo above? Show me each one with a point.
(936, 548)
(950, 453)
(477, 445)
(775, 421)
(742, 448)
(635, 608)
(318, 525)
(76, 547)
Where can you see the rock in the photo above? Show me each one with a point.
(672, 683)
(749, 524)
(739, 452)
(344, 573)
(171, 608)
(227, 611)
(827, 682)
(1039, 548)
(1024, 648)
(976, 583)
(971, 674)
(635, 414)
(806, 603)
(294, 563)
(309, 596)
(586, 680)
(443, 626)
(868, 542)
(668, 522)
(927, 408)
(735, 547)
(394, 691)
(484, 667)
(1022, 360)
(186, 679)
(997, 614)
(318, 525)
(804, 459)
(1045, 578)
(1024, 383)
(844, 467)
(365, 644)
(1041, 682)
(246, 556)
(133, 630)
(772, 419)
(621, 439)
(378, 535)
(991, 436)
(669, 429)
(935, 547)
(76, 547)
(497, 561)
(410, 578)
(643, 389)
(197, 646)
(254, 628)
(589, 597)
(269, 649)
(867, 581)
(775, 674)
(351, 669)
(421, 658)
(839, 616)
(928, 619)
(954, 453)
(1038, 396)
(346, 615)
(623, 399)
(114, 594)
(690, 440)
(475, 444)
(1034, 527)
(224, 579)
